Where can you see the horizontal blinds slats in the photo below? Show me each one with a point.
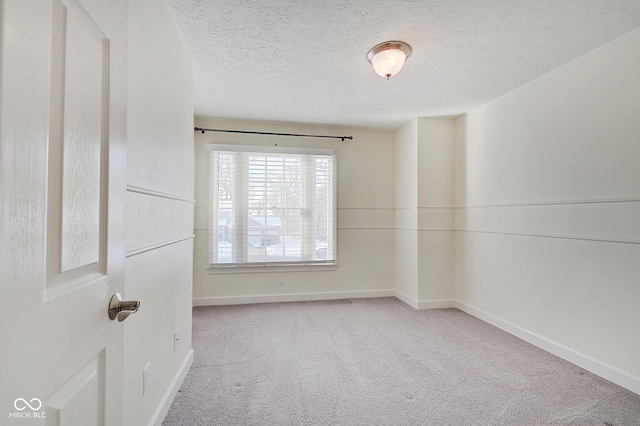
(272, 207)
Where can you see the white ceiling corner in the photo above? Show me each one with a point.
(305, 61)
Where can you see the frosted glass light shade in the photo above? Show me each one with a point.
(388, 58)
(388, 62)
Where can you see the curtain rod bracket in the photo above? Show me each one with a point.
(200, 129)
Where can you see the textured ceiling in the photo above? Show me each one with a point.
(305, 60)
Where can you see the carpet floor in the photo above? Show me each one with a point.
(380, 362)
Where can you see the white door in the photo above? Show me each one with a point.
(63, 75)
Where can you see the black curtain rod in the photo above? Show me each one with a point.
(200, 129)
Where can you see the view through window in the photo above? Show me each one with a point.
(271, 206)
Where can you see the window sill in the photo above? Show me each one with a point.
(252, 269)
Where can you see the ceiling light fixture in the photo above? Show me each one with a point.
(388, 58)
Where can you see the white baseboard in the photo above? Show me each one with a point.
(436, 304)
(425, 304)
(599, 368)
(168, 397)
(411, 301)
(290, 297)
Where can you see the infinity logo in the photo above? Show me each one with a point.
(26, 404)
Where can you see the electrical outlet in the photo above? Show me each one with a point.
(146, 378)
(176, 339)
(478, 287)
(280, 282)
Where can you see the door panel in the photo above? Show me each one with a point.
(79, 400)
(63, 69)
(85, 76)
(77, 146)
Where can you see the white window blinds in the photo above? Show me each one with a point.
(271, 206)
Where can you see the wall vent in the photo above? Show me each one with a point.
(340, 302)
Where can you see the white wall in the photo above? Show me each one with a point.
(406, 199)
(548, 217)
(366, 242)
(435, 211)
(424, 213)
(160, 191)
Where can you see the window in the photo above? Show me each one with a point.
(271, 206)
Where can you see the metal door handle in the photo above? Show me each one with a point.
(121, 309)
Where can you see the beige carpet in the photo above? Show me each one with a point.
(380, 362)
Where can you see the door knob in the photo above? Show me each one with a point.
(121, 309)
